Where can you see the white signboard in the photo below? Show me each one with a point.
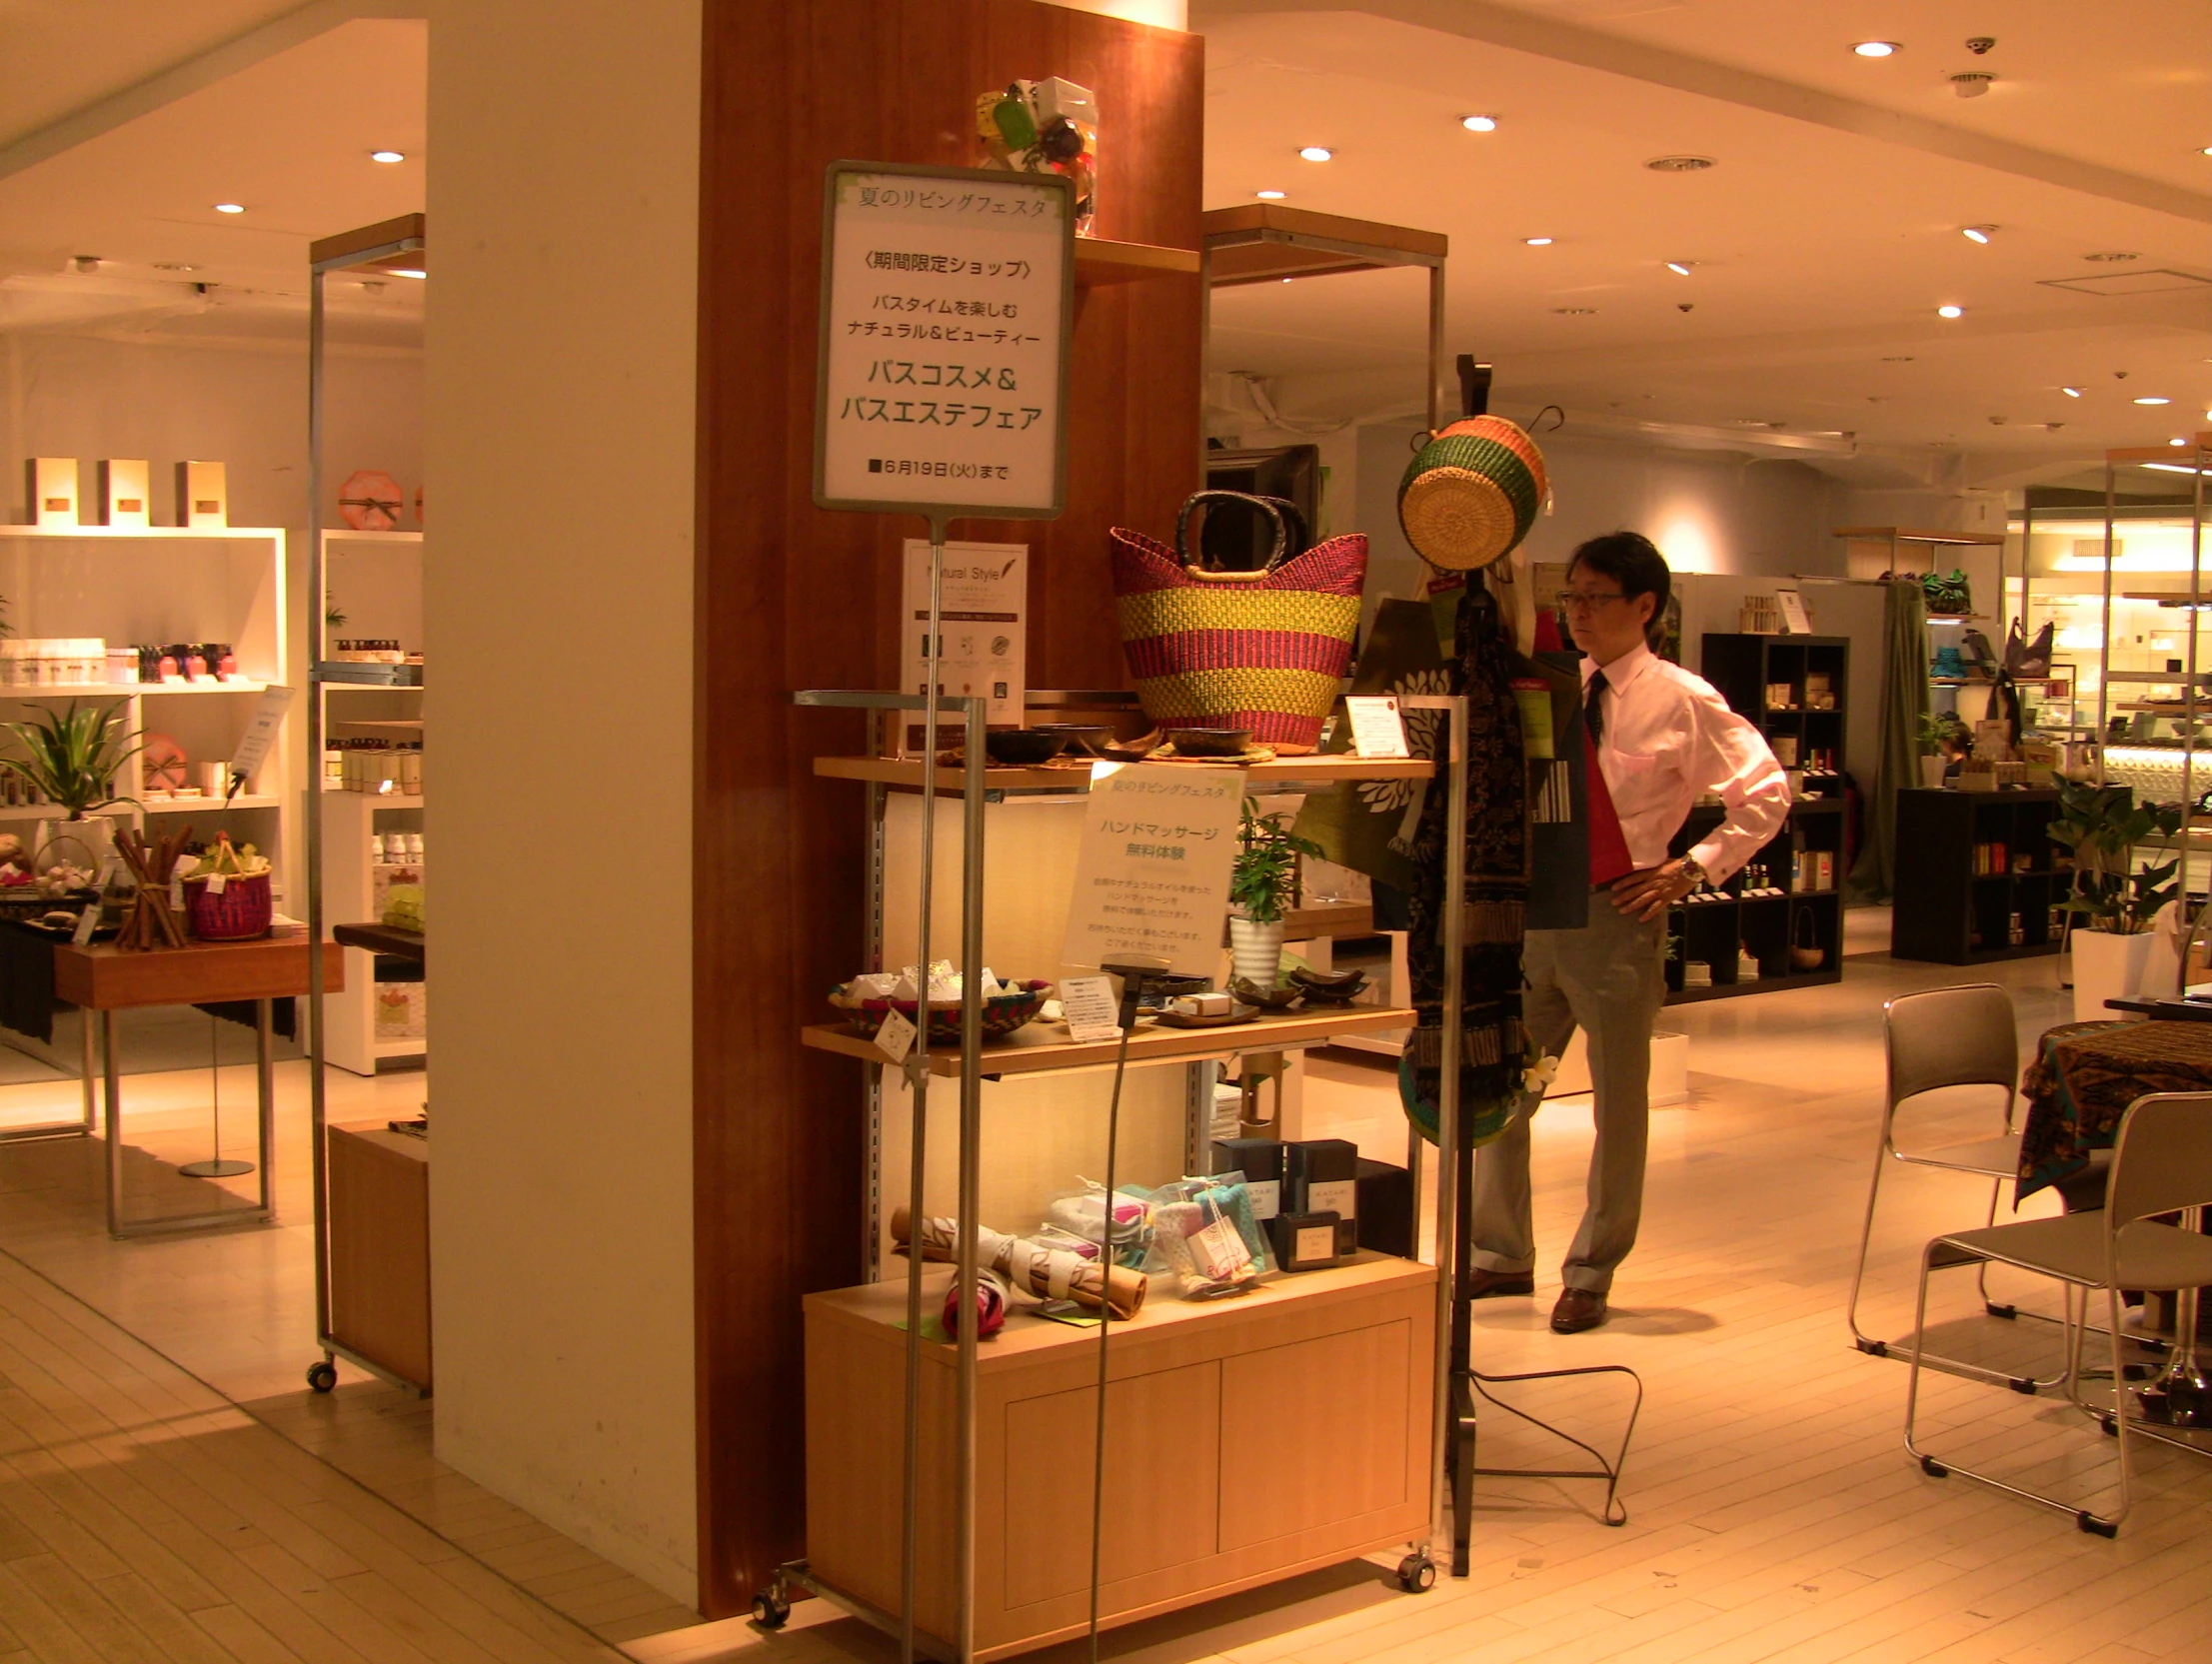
(1377, 727)
(947, 296)
(985, 597)
(261, 732)
(1152, 876)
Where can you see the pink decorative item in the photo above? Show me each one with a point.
(371, 499)
(990, 1306)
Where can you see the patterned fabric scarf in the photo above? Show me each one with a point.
(1497, 898)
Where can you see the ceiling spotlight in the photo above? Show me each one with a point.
(1681, 164)
(2072, 391)
(2149, 399)
(83, 263)
(1537, 242)
(230, 207)
(2177, 442)
(2206, 150)
(1876, 48)
(1269, 196)
(408, 272)
(1950, 312)
(386, 156)
(1316, 152)
(1979, 44)
(1479, 124)
(1680, 268)
(1978, 233)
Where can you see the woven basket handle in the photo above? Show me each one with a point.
(1289, 525)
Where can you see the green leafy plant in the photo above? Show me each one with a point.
(1937, 730)
(2103, 825)
(74, 756)
(334, 616)
(1267, 865)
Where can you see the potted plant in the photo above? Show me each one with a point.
(72, 758)
(1260, 885)
(1940, 730)
(2114, 902)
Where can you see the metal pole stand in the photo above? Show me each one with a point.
(215, 1166)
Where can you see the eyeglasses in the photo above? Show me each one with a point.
(1586, 600)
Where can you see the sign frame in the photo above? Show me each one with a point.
(939, 514)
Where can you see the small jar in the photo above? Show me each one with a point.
(376, 849)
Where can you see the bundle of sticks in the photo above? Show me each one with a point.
(1047, 1272)
(151, 923)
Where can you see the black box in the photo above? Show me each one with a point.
(1261, 1161)
(1321, 1175)
(1385, 1222)
(1298, 1239)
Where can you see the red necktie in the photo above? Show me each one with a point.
(1609, 859)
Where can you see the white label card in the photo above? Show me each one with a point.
(1317, 1243)
(896, 1038)
(1338, 1196)
(1092, 1012)
(262, 732)
(1794, 622)
(1378, 727)
(1152, 870)
(218, 882)
(1266, 1196)
(176, 894)
(981, 600)
(89, 921)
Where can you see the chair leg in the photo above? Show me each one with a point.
(1859, 1337)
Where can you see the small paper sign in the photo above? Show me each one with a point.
(89, 921)
(1090, 1009)
(1377, 729)
(896, 1038)
(176, 894)
(1152, 870)
(260, 733)
(1794, 622)
(218, 882)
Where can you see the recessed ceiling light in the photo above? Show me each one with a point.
(1680, 268)
(1950, 312)
(2206, 150)
(386, 156)
(1978, 233)
(1877, 48)
(1479, 124)
(408, 272)
(2072, 391)
(1576, 310)
(230, 207)
(1269, 196)
(1537, 242)
(2152, 399)
(2112, 254)
(1681, 164)
(1316, 152)
(2177, 442)
(1900, 358)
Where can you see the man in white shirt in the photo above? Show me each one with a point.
(1659, 738)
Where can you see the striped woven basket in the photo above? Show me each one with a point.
(1263, 650)
(1472, 493)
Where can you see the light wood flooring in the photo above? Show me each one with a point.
(1773, 1514)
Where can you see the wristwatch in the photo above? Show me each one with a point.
(1694, 870)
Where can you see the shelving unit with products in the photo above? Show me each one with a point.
(1984, 881)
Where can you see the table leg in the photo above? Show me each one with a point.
(264, 1087)
(83, 1025)
(112, 1087)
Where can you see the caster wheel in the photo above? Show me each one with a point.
(770, 1611)
(1417, 1574)
(321, 1376)
(1933, 1468)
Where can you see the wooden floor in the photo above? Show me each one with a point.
(1773, 1515)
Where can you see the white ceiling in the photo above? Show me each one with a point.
(1822, 241)
(1821, 244)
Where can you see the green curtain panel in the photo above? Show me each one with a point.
(1905, 704)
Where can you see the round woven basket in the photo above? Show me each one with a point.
(1472, 493)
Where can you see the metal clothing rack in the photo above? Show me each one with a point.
(771, 1606)
(394, 246)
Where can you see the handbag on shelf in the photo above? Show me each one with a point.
(2025, 659)
(1264, 651)
(1950, 594)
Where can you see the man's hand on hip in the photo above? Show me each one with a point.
(1648, 893)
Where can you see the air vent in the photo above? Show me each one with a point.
(1681, 164)
(2157, 281)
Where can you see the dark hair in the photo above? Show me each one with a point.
(1630, 560)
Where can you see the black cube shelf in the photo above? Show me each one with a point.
(1954, 909)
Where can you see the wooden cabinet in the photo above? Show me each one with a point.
(380, 1248)
(1246, 1441)
(1977, 875)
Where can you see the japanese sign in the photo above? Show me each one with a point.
(1377, 729)
(1152, 876)
(947, 296)
(984, 600)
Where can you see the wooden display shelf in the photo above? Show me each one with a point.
(1248, 1440)
(1100, 262)
(905, 773)
(1041, 1047)
(1253, 243)
(388, 940)
(1329, 919)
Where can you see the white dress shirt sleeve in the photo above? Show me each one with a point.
(1730, 757)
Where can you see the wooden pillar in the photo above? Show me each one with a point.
(791, 596)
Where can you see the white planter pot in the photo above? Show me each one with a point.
(2107, 967)
(1931, 772)
(1255, 951)
(85, 842)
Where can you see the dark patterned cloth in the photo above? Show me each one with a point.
(2085, 1075)
(1497, 898)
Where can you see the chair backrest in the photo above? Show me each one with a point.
(2162, 1160)
(1962, 1036)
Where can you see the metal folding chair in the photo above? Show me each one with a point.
(2162, 1163)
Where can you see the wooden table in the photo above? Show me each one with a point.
(107, 980)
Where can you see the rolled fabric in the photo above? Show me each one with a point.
(1046, 1273)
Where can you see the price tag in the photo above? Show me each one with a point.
(218, 882)
(176, 894)
(1092, 1012)
(1377, 729)
(87, 923)
(896, 1038)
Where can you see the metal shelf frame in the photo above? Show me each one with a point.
(1198, 1099)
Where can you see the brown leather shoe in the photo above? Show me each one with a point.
(1483, 1285)
(1578, 1309)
